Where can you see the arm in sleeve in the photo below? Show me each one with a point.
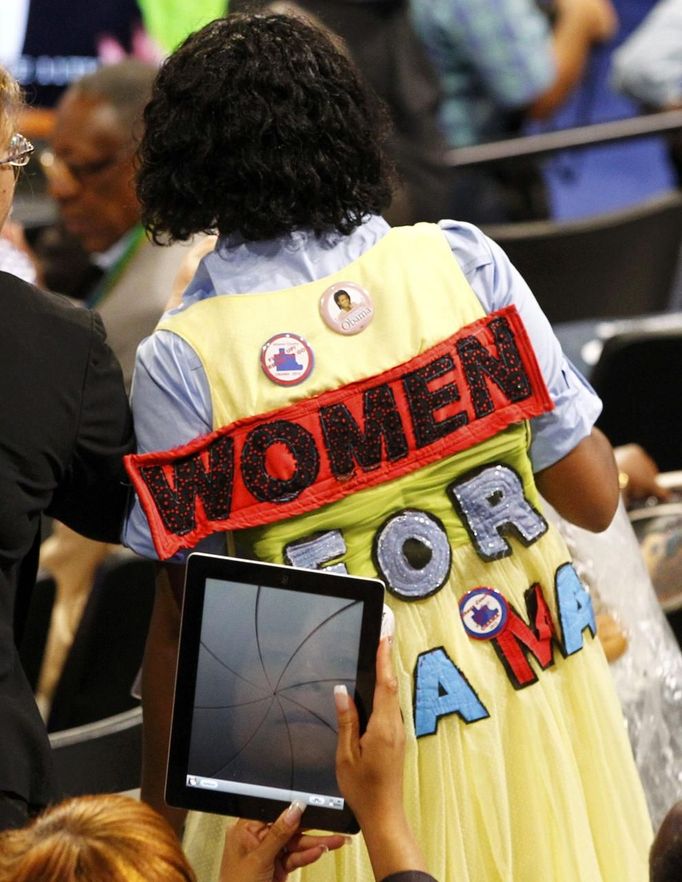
(171, 405)
(648, 65)
(158, 683)
(573, 461)
(507, 42)
(93, 494)
(497, 284)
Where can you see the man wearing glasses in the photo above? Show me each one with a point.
(13, 257)
(90, 173)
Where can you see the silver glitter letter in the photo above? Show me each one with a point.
(492, 504)
(413, 554)
(310, 554)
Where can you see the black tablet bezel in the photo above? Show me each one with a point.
(201, 567)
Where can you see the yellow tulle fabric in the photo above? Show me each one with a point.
(542, 790)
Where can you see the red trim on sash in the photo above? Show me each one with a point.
(273, 466)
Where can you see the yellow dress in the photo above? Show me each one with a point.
(518, 765)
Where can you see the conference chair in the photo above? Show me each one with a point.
(611, 265)
(100, 757)
(108, 645)
(639, 379)
(107, 649)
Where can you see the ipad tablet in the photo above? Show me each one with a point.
(254, 723)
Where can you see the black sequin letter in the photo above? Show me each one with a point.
(507, 371)
(423, 401)
(347, 444)
(301, 459)
(176, 505)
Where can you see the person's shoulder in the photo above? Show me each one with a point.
(22, 298)
(469, 244)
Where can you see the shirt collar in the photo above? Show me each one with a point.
(238, 267)
(106, 259)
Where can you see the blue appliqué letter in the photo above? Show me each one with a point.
(442, 689)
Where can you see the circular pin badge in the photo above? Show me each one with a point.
(286, 359)
(346, 308)
(484, 613)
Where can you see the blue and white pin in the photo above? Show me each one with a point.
(484, 613)
(286, 359)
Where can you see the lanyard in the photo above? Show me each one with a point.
(115, 271)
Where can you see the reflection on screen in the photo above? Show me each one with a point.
(264, 707)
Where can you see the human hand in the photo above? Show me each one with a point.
(258, 852)
(369, 770)
(641, 474)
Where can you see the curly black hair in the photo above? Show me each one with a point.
(259, 124)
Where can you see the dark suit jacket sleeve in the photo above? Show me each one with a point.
(92, 497)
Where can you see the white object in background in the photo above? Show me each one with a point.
(14, 261)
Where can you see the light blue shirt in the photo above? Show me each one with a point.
(648, 65)
(492, 57)
(170, 394)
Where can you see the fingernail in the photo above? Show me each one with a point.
(293, 814)
(341, 697)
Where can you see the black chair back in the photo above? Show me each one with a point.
(100, 757)
(639, 379)
(611, 265)
(108, 646)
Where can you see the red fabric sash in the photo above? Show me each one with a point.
(272, 466)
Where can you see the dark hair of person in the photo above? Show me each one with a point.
(339, 294)
(665, 858)
(102, 838)
(260, 125)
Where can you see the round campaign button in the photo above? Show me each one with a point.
(346, 308)
(484, 613)
(286, 359)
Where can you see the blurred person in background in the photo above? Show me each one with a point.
(647, 67)
(501, 62)
(90, 171)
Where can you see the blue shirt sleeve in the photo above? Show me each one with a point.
(171, 405)
(497, 284)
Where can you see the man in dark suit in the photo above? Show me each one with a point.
(65, 428)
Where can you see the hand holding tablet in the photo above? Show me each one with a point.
(369, 770)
